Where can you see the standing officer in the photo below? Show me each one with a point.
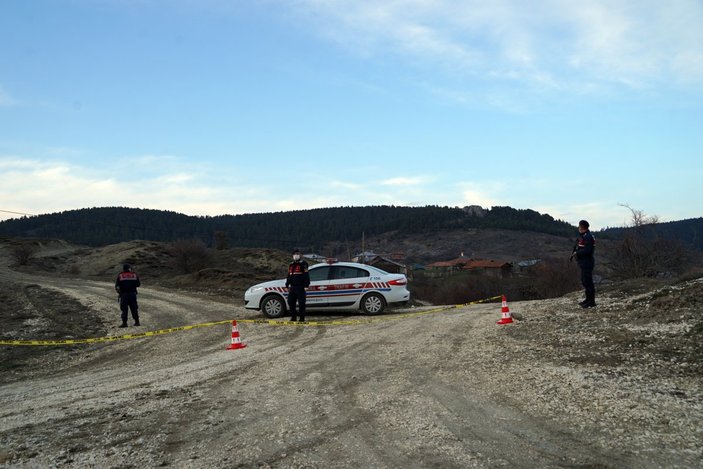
(126, 286)
(583, 251)
(297, 281)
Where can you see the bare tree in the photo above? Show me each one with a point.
(638, 219)
(642, 252)
(221, 240)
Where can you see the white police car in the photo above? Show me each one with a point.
(334, 286)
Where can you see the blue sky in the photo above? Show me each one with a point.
(214, 107)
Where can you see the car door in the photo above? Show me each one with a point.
(346, 286)
(317, 294)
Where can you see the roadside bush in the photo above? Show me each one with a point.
(554, 278)
(549, 279)
(458, 289)
(189, 255)
(23, 253)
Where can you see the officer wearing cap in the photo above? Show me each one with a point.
(297, 281)
(126, 286)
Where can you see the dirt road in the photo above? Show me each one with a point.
(448, 389)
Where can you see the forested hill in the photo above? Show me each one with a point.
(689, 232)
(308, 229)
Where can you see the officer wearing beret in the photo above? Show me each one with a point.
(297, 281)
(583, 251)
(126, 287)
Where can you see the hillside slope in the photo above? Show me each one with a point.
(616, 386)
(230, 271)
(506, 245)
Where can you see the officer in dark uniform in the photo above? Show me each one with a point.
(583, 251)
(126, 286)
(297, 281)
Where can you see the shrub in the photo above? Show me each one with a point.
(189, 255)
(23, 253)
(554, 278)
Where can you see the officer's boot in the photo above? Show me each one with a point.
(136, 320)
(124, 324)
(585, 303)
(590, 300)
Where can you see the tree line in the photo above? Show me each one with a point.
(689, 232)
(309, 229)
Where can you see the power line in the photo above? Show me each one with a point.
(16, 213)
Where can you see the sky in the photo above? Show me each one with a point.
(213, 107)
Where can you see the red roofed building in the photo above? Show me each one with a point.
(462, 263)
(490, 266)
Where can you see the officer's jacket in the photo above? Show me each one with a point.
(585, 245)
(127, 282)
(298, 275)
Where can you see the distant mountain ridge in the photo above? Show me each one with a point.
(307, 229)
(689, 231)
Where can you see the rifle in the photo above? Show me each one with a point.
(573, 251)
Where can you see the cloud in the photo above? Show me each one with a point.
(6, 100)
(174, 179)
(545, 44)
(345, 185)
(485, 194)
(8, 163)
(404, 181)
(37, 187)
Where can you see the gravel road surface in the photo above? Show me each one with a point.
(403, 390)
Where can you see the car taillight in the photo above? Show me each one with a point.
(398, 281)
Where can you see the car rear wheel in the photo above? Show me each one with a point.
(373, 303)
(273, 306)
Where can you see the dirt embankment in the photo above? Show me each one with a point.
(616, 386)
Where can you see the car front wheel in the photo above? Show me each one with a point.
(373, 303)
(273, 306)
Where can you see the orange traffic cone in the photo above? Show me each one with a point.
(236, 341)
(505, 317)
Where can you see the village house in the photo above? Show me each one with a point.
(382, 262)
(463, 263)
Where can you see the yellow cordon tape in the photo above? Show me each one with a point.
(110, 338)
(270, 322)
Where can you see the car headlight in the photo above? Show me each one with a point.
(253, 290)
